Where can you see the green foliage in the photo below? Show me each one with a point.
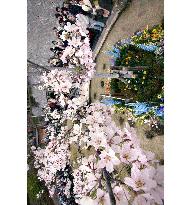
(35, 120)
(33, 186)
(150, 81)
(150, 36)
(114, 85)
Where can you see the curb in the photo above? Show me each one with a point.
(117, 9)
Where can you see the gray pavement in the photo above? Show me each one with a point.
(40, 22)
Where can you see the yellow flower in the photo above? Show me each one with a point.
(143, 82)
(128, 58)
(144, 72)
(155, 36)
(143, 77)
(154, 31)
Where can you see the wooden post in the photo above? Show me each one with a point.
(106, 75)
(125, 68)
(116, 74)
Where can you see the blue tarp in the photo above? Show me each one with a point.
(110, 101)
(138, 108)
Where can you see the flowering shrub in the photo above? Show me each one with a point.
(87, 158)
(139, 113)
(145, 48)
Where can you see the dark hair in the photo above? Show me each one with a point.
(56, 50)
(57, 15)
(64, 9)
(100, 12)
(60, 32)
(54, 42)
(58, 9)
(60, 20)
(59, 63)
(75, 9)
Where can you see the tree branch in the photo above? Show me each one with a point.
(109, 188)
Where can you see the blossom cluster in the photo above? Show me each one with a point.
(114, 149)
(49, 160)
(75, 51)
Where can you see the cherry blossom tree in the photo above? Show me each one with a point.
(87, 158)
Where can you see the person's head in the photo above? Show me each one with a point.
(76, 1)
(81, 2)
(55, 42)
(57, 15)
(51, 49)
(64, 10)
(99, 12)
(54, 29)
(58, 9)
(53, 61)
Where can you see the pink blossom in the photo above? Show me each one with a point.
(70, 27)
(128, 154)
(141, 179)
(121, 195)
(75, 41)
(86, 201)
(92, 125)
(102, 198)
(157, 195)
(108, 160)
(97, 140)
(130, 136)
(159, 176)
(142, 199)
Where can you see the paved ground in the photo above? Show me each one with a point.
(40, 22)
(137, 16)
